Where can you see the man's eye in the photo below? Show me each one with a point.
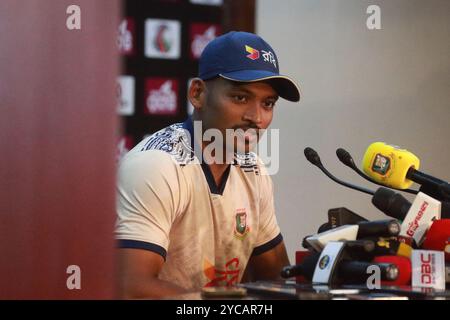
(269, 104)
(239, 98)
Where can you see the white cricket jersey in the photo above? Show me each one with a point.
(168, 203)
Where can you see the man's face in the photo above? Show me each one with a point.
(234, 105)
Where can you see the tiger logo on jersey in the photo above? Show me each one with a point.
(241, 228)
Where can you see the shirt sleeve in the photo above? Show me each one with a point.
(149, 198)
(268, 232)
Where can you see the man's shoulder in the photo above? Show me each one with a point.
(170, 142)
(154, 168)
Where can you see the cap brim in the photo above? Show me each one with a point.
(284, 86)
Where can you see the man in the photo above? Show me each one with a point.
(188, 218)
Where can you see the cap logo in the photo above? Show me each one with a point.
(254, 54)
(269, 57)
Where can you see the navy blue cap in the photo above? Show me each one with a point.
(245, 57)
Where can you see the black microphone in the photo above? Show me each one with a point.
(357, 231)
(324, 227)
(356, 271)
(356, 249)
(396, 206)
(378, 228)
(380, 246)
(306, 268)
(440, 192)
(312, 156)
(345, 157)
(360, 249)
(425, 179)
(391, 203)
(347, 271)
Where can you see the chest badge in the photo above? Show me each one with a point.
(241, 228)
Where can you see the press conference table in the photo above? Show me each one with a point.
(289, 290)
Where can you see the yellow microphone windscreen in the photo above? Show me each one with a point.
(389, 164)
(404, 250)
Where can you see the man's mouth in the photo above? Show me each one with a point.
(248, 134)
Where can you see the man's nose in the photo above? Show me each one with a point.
(253, 114)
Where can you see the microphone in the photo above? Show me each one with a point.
(369, 248)
(324, 227)
(396, 206)
(417, 217)
(391, 203)
(390, 247)
(437, 236)
(360, 230)
(404, 268)
(353, 272)
(379, 228)
(346, 271)
(345, 157)
(305, 269)
(428, 269)
(398, 168)
(313, 157)
(447, 273)
(423, 211)
(447, 249)
(320, 240)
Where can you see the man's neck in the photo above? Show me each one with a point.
(218, 171)
(217, 166)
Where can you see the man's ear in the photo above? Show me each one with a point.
(197, 93)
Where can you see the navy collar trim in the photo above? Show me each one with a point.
(213, 187)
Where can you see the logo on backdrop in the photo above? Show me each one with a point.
(125, 37)
(125, 95)
(161, 96)
(201, 34)
(162, 38)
